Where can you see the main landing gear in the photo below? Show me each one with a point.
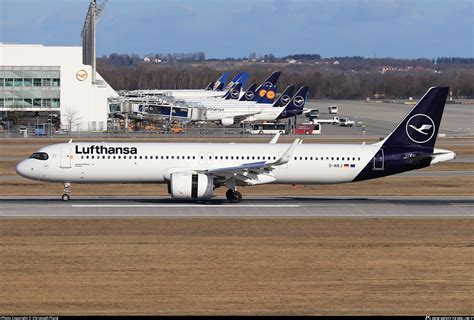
(67, 190)
(233, 196)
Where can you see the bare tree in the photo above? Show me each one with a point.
(71, 115)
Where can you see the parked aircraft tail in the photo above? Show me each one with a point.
(240, 77)
(234, 92)
(285, 97)
(221, 82)
(296, 104)
(249, 93)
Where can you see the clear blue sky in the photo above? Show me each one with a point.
(235, 28)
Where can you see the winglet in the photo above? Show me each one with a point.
(275, 138)
(288, 153)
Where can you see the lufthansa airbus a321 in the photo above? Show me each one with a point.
(195, 170)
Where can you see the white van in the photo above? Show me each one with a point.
(332, 109)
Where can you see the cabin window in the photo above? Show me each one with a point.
(358, 159)
(194, 157)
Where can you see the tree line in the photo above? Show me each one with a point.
(346, 80)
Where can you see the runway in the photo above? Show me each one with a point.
(251, 207)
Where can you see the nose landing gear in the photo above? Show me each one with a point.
(233, 196)
(67, 190)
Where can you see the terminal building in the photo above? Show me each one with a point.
(44, 82)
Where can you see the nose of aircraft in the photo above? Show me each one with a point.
(25, 169)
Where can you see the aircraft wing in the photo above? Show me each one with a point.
(250, 173)
(241, 117)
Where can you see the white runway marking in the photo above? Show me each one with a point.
(185, 206)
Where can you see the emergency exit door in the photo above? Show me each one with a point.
(379, 160)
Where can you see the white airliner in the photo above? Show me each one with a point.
(240, 111)
(194, 170)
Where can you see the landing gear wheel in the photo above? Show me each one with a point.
(67, 190)
(233, 196)
(237, 197)
(229, 194)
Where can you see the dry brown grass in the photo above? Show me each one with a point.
(237, 266)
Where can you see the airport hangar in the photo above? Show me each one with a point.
(39, 80)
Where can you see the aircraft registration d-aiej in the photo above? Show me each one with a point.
(195, 170)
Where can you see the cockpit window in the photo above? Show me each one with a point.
(40, 156)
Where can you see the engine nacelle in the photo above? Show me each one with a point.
(191, 185)
(227, 121)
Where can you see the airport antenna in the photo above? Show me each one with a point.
(88, 35)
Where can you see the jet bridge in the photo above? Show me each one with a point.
(149, 103)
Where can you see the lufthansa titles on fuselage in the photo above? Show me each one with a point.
(105, 150)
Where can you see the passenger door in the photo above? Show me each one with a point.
(66, 156)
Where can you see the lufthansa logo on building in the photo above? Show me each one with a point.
(420, 128)
(81, 75)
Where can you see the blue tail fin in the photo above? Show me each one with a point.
(419, 129)
(249, 94)
(220, 83)
(234, 92)
(296, 104)
(266, 92)
(285, 97)
(241, 78)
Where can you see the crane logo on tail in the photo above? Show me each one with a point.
(285, 99)
(299, 101)
(420, 128)
(249, 95)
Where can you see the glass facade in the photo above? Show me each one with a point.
(30, 87)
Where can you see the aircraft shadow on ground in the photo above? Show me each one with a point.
(281, 200)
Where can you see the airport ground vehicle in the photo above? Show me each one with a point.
(308, 128)
(268, 128)
(43, 129)
(334, 121)
(62, 131)
(195, 170)
(22, 130)
(333, 109)
(177, 130)
(312, 114)
(346, 122)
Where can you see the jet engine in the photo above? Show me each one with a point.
(227, 121)
(186, 185)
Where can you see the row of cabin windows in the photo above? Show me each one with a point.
(219, 157)
(328, 158)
